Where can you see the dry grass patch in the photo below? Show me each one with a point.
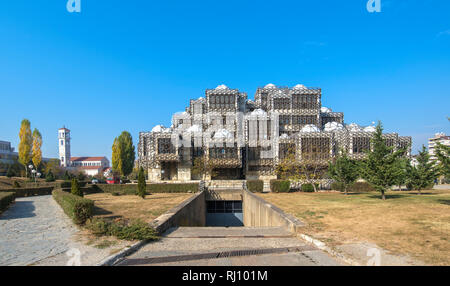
(132, 207)
(406, 223)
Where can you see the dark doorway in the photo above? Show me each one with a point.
(224, 213)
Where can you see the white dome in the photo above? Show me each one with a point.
(270, 85)
(222, 133)
(259, 112)
(284, 136)
(333, 126)
(310, 128)
(299, 86)
(353, 127)
(324, 109)
(194, 128)
(158, 128)
(222, 86)
(370, 129)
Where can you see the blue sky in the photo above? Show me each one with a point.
(129, 65)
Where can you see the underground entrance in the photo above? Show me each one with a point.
(226, 208)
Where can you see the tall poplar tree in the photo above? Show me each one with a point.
(36, 150)
(123, 154)
(380, 166)
(25, 144)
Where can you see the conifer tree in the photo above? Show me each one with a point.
(379, 168)
(344, 170)
(424, 174)
(75, 188)
(141, 183)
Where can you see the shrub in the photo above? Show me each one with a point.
(6, 198)
(130, 189)
(16, 184)
(309, 188)
(255, 186)
(75, 188)
(50, 177)
(10, 172)
(26, 192)
(68, 184)
(173, 188)
(77, 208)
(115, 194)
(136, 230)
(280, 186)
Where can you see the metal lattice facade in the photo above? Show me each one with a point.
(246, 139)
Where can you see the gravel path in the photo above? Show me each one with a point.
(36, 231)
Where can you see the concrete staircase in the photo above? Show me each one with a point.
(266, 188)
(225, 185)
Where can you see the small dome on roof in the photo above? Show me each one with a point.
(299, 86)
(353, 127)
(270, 85)
(333, 126)
(310, 128)
(158, 128)
(222, 133)
(370, 129)
(222, 86)
(284, 136)
(258, 111)
(324, 109)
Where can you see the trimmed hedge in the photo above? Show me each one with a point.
(77, 208)
(255, 186)
(309, 188)
(6, 198)
(358, 187)
(68, 184)
(280, 186)
(27, 192)
(131, 189)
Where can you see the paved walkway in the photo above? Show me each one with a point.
(35, 230)
(234, 246)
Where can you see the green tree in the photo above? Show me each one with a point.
(75, 188)
(202, 168)
(344, 170)
(379, 168)
(123, 154)
(25, 144)
(36, 149)
(50, 177)
(443, 155)
(141, 183)
(400, 172)
(424, 174)
(10, 172)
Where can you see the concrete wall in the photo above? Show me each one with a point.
(259, 213)
(192, 212)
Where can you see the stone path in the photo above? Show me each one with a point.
(35, 230)
(181, 246)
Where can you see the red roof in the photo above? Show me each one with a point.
(87, 158)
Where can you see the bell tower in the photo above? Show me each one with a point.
(64, 146)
